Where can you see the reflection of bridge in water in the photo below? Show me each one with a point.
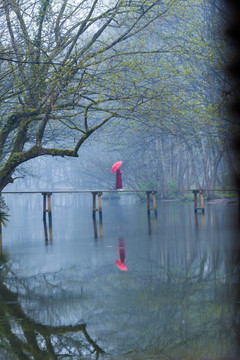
(97, 205)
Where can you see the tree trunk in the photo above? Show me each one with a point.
(188, 183)
(193, 169)
(180, 172)
(164, 169)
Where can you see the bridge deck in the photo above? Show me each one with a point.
(98, 193)
(114, 190)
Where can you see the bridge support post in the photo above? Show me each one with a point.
(100, 204)
(45, 196)
(99, 209)
(195, 200)
(154, 203)
(47, 209)
(94, 204)
(94, 210)
(149, 202)
(196, 208)
(202, 201)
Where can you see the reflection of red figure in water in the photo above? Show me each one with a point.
(122, 254)
(118, 179)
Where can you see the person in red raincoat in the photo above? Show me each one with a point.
(118, 179)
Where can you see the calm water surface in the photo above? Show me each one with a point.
(63, 296)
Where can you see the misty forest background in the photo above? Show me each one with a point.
(171, 125)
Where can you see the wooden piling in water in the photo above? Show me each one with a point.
(99, 209)
(153, 193)
(196, 208)
(94, 210)
(202, 201)
(154, 203)
(195, 200)
(47, 208)
(100, 204)
(49, 202)
(44, 203)
(47, 195)
(148, 202)
(94, 204)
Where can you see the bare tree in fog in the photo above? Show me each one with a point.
(58, 81)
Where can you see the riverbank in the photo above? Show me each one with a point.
(222, 201)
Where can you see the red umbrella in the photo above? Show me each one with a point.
(121, 265)
(116, 166)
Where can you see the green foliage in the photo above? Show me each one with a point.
(172, 186)
(3, 205)
(145, 185)
(188, 196)
(228, 194)
(4, 216)
(4, 269)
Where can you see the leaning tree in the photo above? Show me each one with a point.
(60, 69)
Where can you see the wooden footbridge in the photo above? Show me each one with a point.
(97, 205)
(97, 198)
